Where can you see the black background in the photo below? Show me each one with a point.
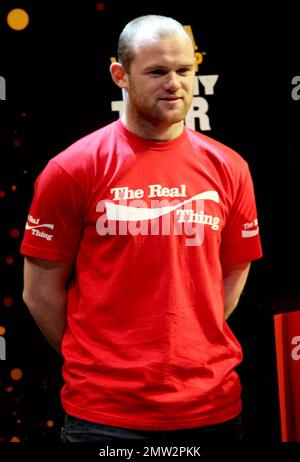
(59, 89)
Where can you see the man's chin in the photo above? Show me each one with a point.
(166, 117)
(176, 118)
(172, 115)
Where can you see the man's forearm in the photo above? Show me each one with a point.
(45, 294)
(234, 280)
(50, 316)
(229, 307)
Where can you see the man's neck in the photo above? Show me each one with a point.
(151, 132)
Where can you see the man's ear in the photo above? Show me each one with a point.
(119, 75)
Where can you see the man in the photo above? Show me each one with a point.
(137, 248)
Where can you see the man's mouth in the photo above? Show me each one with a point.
(171, 98)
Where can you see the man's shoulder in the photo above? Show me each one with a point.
(80, 159)
(216, 150)
(86, 147)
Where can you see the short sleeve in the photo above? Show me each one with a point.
(55, 219)
(240, 237)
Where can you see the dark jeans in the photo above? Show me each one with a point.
(80, 431)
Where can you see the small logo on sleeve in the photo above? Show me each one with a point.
(250, 229)
(33, 223)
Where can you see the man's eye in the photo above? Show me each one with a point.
(157, 72)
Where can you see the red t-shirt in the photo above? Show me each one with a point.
(149, 226)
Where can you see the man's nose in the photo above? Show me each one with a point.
(171, 81)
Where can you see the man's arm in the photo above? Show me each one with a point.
(45, 294)
(234, 280)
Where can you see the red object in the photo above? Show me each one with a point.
(8, 301)
(100, 6)
(146, 344)
(287, 339)
(14, 233)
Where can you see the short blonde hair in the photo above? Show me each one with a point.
(152, 25)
